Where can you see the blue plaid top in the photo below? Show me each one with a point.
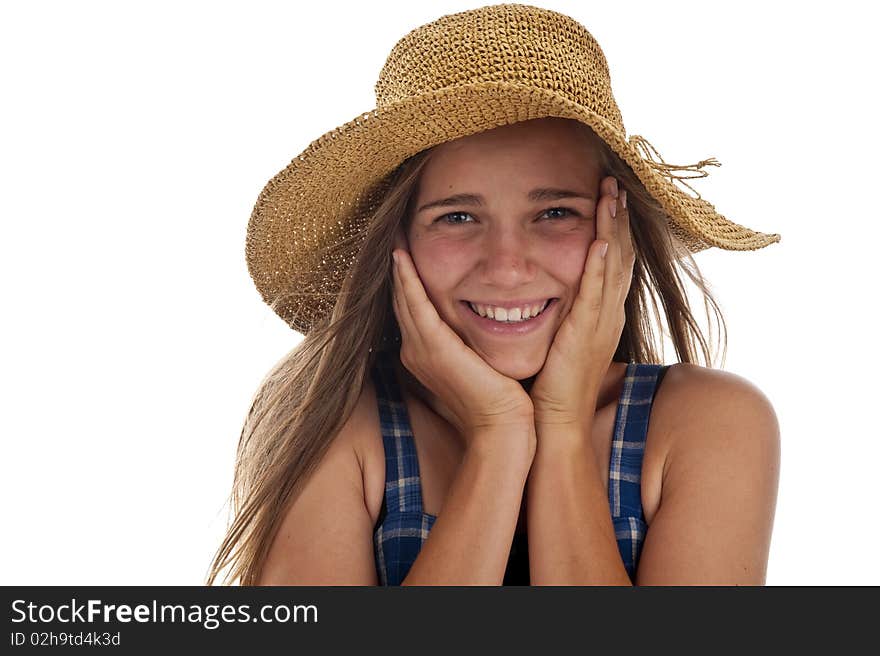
(403, 526)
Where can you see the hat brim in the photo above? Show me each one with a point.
(313, 200)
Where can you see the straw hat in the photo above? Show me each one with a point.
(458, 75)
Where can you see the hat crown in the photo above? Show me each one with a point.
(506, 43)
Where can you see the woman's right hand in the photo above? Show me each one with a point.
(478, 397)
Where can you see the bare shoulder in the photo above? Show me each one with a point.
(365, 436)
(709, 404)
(325, 535)
(720, 481)
(701, 394)
(362, 434)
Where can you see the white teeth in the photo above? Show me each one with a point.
(515, 315)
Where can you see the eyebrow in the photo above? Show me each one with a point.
(542, 193)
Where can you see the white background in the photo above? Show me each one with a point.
(135, 138)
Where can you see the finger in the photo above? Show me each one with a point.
(420, 311)
(395, 292)
(624, 233)
(609, 228)
(612, 200)
(605, 223)
(621, 263)
(627, 252)
(404, 316)
(588, 303)
(400, 240)
(618, 268)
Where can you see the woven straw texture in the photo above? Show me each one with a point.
(461, 74)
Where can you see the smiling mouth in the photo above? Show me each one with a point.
(548, 304)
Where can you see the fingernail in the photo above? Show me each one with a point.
(614, 210)
(623, 198)
(394, 255)
(614, 187)
(603, 249)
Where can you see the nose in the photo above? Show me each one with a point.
(507, 257)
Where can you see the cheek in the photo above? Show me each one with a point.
(568, 259)
(438, 256)
(437, 265)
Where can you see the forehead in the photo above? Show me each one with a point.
(557, 148)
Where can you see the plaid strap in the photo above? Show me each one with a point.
(625, 466)
(403, 488)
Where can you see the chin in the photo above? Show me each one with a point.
(521, 368)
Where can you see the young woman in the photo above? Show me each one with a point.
(486, 409)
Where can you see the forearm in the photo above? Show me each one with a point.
(470, 541)
(570, 532)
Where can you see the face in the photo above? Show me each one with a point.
(507, 246)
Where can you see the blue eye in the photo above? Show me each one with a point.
(564, 209)
(445, 216)
(552, 209)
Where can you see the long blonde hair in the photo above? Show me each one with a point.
(305, 399)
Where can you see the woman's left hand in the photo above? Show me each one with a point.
(565, 392)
